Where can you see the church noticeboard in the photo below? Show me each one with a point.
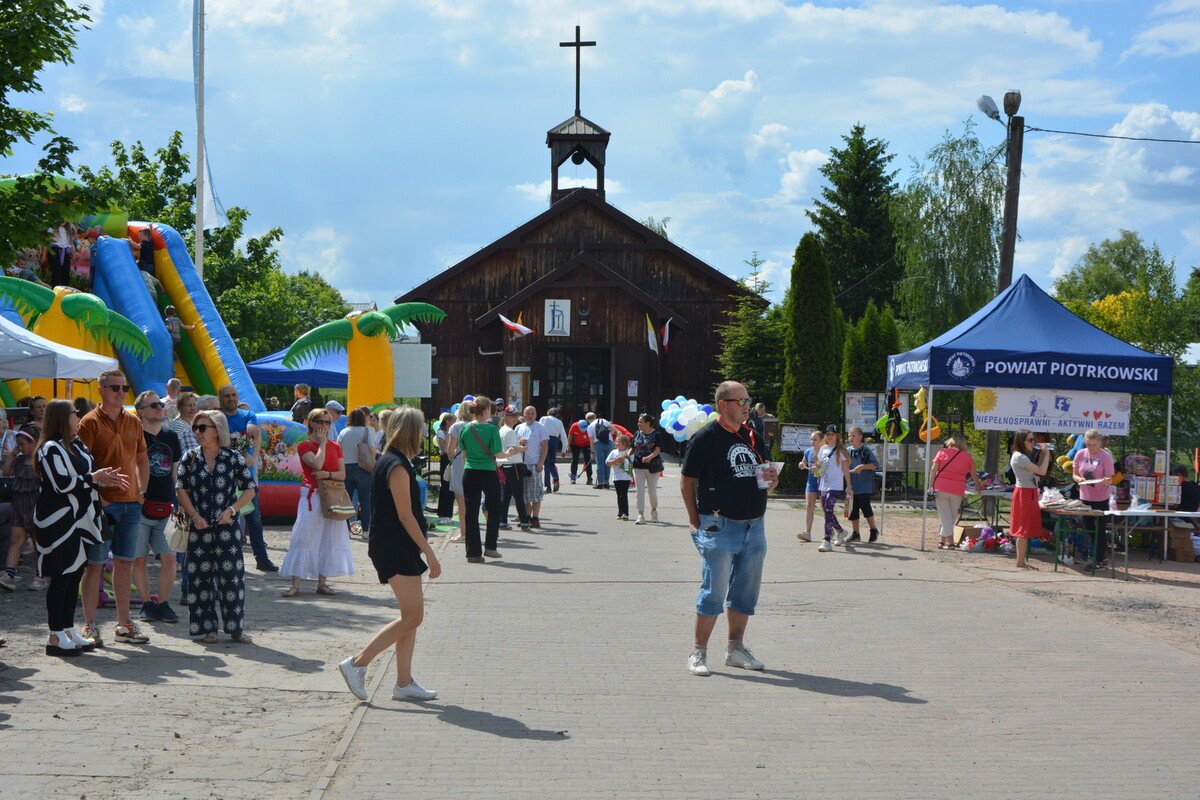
(558, 318)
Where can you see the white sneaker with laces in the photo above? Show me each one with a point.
(825, 547)
(698, 663)
(742, 657)
(356, 678)
(839, 539)
(414, 691)
(640, 520)
(654, 515)
(804, 537)
(38, 584)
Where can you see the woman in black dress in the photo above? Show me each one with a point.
(397, 544)
(213, 486)
(66, 520)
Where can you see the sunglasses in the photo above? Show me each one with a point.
(202, 428)
(153, 405)
(322, 422)
(117, 387)
(741, 401)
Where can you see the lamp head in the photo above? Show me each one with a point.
(988, 106)
(1012, 102)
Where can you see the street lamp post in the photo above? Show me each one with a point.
(1014, 147)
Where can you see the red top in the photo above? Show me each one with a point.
(578, 434)
(333, 454)
(953, 467)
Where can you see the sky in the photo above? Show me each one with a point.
(391, 138)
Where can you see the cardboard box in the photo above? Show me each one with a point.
(968, 530)
(1186, 556)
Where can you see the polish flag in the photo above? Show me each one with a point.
(666, 335)
(515, 327)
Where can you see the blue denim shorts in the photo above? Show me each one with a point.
(126, 519)
(152, 535)
(813, 486)
(732, 553)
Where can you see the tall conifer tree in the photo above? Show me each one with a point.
(812, 348)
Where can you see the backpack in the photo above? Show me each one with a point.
(603, 434)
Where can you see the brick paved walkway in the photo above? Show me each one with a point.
(561, 673)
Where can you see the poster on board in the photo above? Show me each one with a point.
(1052, 411)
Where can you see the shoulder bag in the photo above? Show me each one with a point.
(366, 453)
(933, 475)
(499, 471)
(335, 500)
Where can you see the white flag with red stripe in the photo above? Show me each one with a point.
(666, 335)
(515, 327)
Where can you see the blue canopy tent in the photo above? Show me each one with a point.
(1024, 338)
(327, 371)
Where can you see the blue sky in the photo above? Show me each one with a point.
(390, 138)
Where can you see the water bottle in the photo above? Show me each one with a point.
(1112, 500)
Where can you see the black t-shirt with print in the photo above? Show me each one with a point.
(163, 450)
(723, 462)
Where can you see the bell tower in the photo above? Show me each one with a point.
(578, 138)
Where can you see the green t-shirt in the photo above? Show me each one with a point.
(477, 457)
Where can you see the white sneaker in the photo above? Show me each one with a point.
(825, 547)
(414, 691)
(458, 537)
(640, 520)
(742, 657)
(8, 582)
(38, 584)
(839, 539)
(697, 663)
(804, 537)
(86, 645)
(445, 521)
(356, 678)
(654, 515)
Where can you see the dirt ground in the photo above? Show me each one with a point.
(1160, 599)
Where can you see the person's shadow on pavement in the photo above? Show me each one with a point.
(482, 721)
(10, 681)
(825, 685)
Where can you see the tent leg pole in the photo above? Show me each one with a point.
(925, 477)
(883, 488)
(1166, 503)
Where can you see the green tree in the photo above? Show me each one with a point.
(948, 219)
(34, 35)
(752, 340)
(812, 340)
(659, 225)
(853, 218)
(1191, 302)
(151, 188)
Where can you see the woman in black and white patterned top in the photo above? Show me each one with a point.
(66, 520)
(213, 485)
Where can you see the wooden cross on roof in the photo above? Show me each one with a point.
(578, 45)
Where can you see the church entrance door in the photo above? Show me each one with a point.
(579, 379)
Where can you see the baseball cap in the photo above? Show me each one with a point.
(831, 429)
(511, 410)
(334, 405)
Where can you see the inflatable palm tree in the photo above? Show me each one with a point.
(61, 314)
(364, 335)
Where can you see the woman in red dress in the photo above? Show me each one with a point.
(1026, 516)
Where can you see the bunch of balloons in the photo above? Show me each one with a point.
(683, 418)
(469, 398)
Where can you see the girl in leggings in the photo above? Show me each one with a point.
(812, 489)
(835, 477)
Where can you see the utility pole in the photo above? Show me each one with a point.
(1015, 144)
(201, 156)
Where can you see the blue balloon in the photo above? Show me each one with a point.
(706, 408)
(454, 408)
(666, 404)
(680, 436)
(677, 425)
(469, 398)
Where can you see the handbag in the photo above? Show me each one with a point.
(499, 472)
(366, 455)
(157, 509)
(335, 501)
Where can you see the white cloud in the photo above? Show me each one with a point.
(540, 192)
(73, 103)
(727, 92)
(1178, 34)
(796, 185)
(772, 136)
(318, 250)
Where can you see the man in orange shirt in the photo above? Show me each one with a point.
(115, 438)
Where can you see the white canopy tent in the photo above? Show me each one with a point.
(24, 354)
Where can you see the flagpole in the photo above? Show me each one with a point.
(200, 155)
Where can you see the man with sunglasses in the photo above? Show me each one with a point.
(726, 510)
(163, 452)
(245, 423)
(115, 438)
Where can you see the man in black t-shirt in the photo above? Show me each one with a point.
(726, 509)
(163, 452)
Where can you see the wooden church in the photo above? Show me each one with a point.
(597, 287)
